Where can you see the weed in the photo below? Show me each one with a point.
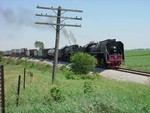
(87, 87)
(57, 94)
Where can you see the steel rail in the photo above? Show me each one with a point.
(134, 72)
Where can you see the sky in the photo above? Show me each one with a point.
(124, 20)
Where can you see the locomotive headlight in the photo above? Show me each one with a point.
(114, 47)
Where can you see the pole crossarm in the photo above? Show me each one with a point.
(45, 15)
(69, 25)
(51, 8)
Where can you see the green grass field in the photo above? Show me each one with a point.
(97, 95)
(137, 59)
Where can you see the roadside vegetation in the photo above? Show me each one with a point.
(137, 59)
(82, 63)
(70, 93)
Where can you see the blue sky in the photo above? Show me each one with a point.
(125, 20)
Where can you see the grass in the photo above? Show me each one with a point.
(131, 53)
(137, 59)
(105, 96)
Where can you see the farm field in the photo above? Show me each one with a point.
(76, 95)
(137, 59)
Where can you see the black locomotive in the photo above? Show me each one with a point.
(109, 53)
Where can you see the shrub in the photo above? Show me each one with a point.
(64, 68)
(82, 63)
(72, 76)
(57, 94)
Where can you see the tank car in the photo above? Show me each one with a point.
(43, 53)
(51, 53)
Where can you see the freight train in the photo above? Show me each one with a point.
(109, 53)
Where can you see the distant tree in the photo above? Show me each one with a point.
(39, 44)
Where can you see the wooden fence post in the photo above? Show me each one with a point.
(2, 89)
(24, 79)
(18, 90)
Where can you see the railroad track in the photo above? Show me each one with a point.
(134, 72)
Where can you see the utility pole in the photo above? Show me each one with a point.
(58, 26)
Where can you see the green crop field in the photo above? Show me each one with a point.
(81, 95)
(137, 59)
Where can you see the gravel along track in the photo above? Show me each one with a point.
(123, 76)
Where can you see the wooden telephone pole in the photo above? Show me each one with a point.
(58, 26)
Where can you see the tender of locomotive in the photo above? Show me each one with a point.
(67, 51)
(64, 53)
(109, 53)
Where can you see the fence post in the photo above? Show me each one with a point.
(2, 89)
(24, 80)
(18, 90)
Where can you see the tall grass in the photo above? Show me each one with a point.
(102, 95)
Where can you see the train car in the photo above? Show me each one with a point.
(43, 53)
(35, 53)
(18, 52)
(7, 53)
(109, 53)
(51, 53)
(67, 51)
(30, 52)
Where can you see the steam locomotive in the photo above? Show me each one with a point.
(109, 53)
